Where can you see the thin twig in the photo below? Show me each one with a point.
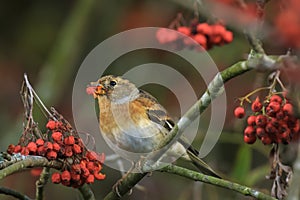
(13, 193)
(38, 100)
(41, 182)
(196, 176)
(255, 43)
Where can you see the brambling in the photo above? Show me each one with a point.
(134, 122)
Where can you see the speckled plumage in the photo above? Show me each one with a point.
(134, 121)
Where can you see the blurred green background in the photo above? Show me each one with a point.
(48, 40)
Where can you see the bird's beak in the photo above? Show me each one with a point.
(95, 89)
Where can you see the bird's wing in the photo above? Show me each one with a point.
(158, 114)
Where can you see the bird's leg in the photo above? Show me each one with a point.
(139, 165)
(116, 185)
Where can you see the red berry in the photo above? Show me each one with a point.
(266, 140)
(66, 183)
(69, 140)
(25, 151)
(184, 30)
(90, 179)
(286, 135)
(256, 105)
(66, 176)
(270, 112)
(91, 89)
(261, 121)
(288, 109)
(68, 151)
(280, 115)
(271, 129)
(249, 139)
(83, 163)
(260, 132)
(56, 147)
(36, 171)
(56, 178)
(227, 36)
(275, 122)
(99, 176)
(276, 98)
(39, 142)
(48, 146)
(91, 155)
(218, 29)
(97, 166)
(57, 136)
(10, 148)
(249, 131)
(51, 155)
(239, 112)
(251, 120)
(51, 125)
(59, 125)
(76, 168)
(91, 166)
(275, 106)
(163, 35)
(32, 147)
(215, 39)
(85, 172)
(204, 28)
(200, 39)
(77, 148)
(75, 177)
(17, 149)
(41, 151)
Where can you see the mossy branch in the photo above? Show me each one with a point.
(41, 182)
(196, 176)
(25, 162)
(86, 192)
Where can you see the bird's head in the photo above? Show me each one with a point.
(115, 88)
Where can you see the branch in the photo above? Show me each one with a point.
(254, 42)
(125, 186)
(86, 192)
(13, 193)
(216, 181)
(41, 182)
(28, 162)
(24, 162)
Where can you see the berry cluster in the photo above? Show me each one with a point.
(85, 172)
(272, 121)
(289, 19)
(62, 143)
(203, 33)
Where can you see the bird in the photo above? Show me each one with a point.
(134, 122)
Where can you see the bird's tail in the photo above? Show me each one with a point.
(201, 165)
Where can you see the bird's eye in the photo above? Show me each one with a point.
(112, 83)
